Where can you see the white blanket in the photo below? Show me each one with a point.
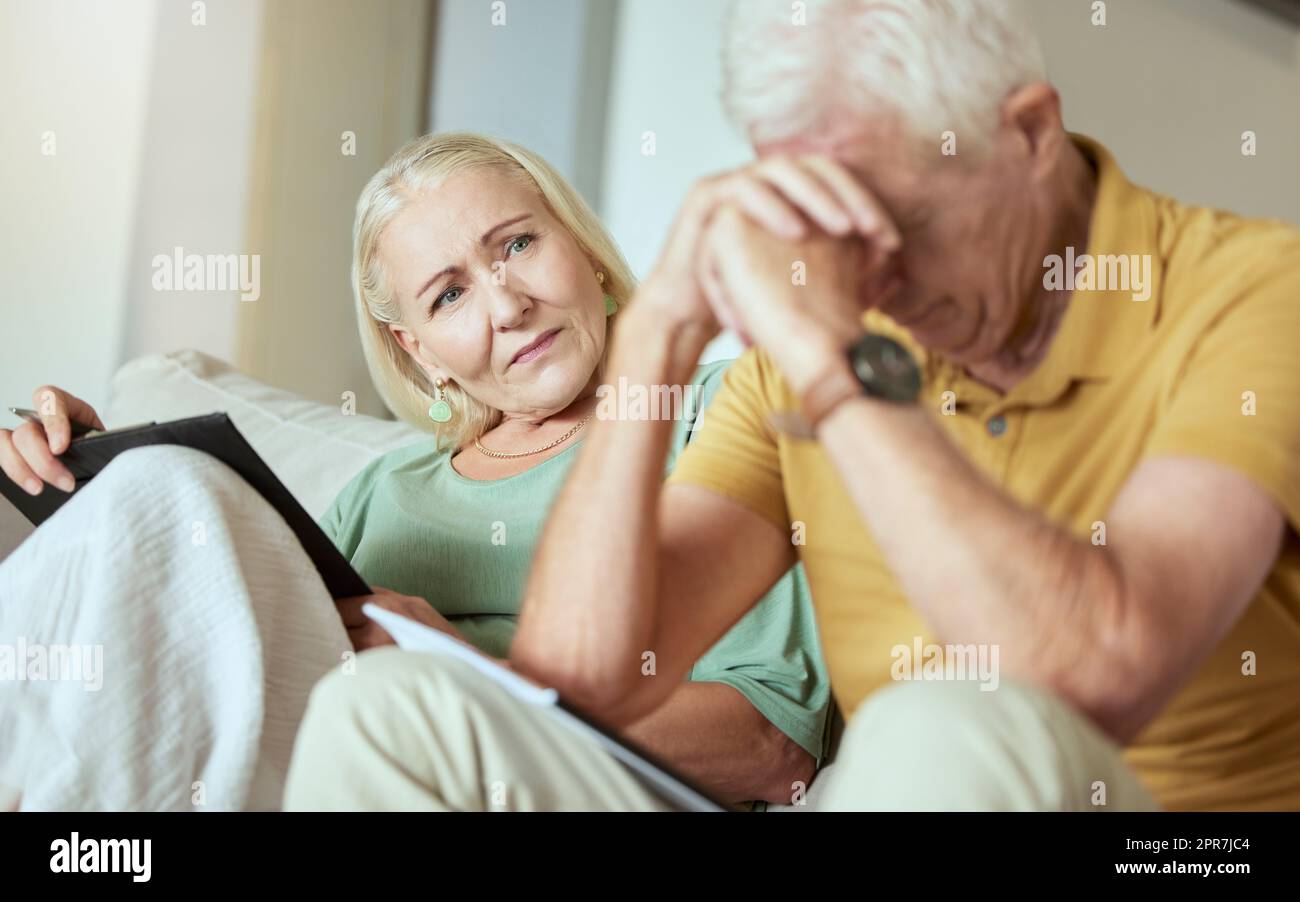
(210, 626)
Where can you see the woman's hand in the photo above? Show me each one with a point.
(28, 454)
(789, 198)
(365, 633)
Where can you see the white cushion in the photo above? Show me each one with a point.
(314, 448)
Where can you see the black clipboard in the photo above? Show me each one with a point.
(212, 434)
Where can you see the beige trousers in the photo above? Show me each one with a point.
(412, 731)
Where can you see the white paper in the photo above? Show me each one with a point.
(412, 635)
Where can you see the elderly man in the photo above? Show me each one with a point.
(1079, 456)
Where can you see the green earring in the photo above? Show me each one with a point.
(611, 305)
(440, 410)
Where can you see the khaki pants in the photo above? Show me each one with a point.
(412, 731)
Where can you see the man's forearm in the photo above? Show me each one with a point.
(711, 733)
(588, 612)
(980, 568)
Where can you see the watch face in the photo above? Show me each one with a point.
(886, 369)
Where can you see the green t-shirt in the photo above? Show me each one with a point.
(409, 522)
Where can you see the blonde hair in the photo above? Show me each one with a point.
(421, 164)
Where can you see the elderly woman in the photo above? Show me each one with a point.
(486, 294)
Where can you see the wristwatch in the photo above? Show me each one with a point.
(885, 369)
(878, 367)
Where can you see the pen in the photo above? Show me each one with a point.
(78, 429)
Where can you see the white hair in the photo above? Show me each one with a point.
(943, 65)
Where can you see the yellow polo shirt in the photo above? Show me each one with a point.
(1124, 380)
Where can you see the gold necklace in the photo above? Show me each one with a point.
(502, 455)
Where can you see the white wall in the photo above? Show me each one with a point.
(1170, 85)
(153, 119)
(534, 73)
(328, 67)
(666, 80)
(193, 192)
(220, 137)
(80, 69)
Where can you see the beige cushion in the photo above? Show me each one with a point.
(314, 448)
